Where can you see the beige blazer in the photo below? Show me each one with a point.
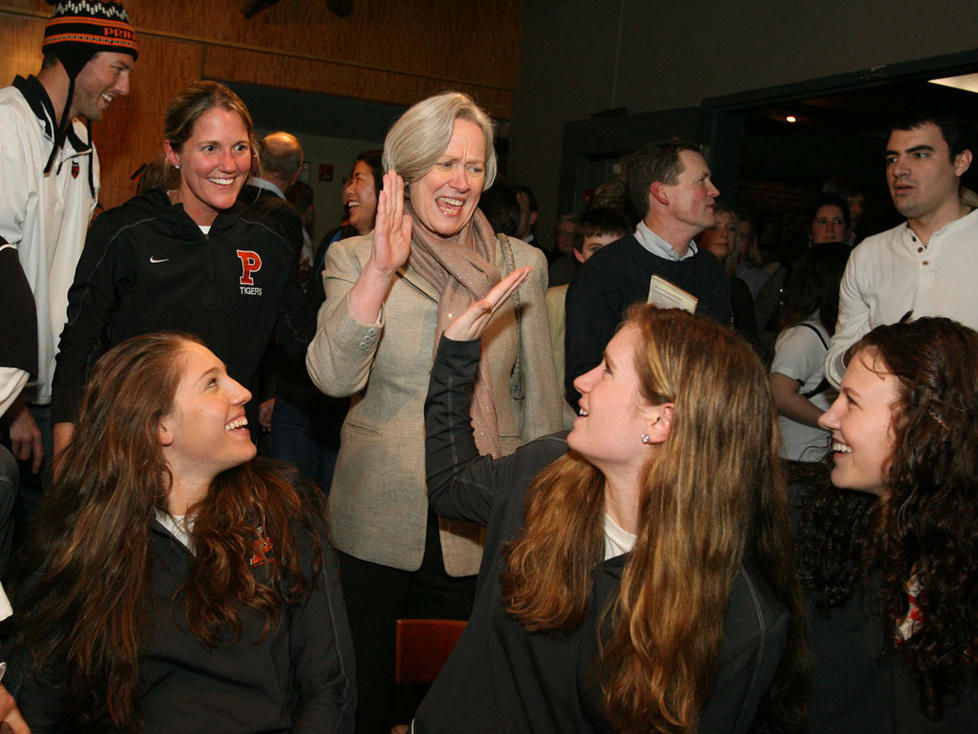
(378, 501)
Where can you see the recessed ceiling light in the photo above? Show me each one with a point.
(791, 118)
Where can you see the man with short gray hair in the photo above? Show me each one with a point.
(669, 183)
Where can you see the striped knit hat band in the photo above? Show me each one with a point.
(81, 28)
(77, 31)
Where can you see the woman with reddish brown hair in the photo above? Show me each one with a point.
(176, 583)
(637, 575)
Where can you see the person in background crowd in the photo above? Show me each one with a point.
(565, 264)
(720, 240)
(501, 208)
(855, 198)
(305, 423)
(528, 214)
(303, 199)
(801, 392)
(564, 233)
(828, 221)
(275, 168)
(18, 362)
(594, 229)
(750, 261)
(613, 194)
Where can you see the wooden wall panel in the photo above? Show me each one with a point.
(476, 41)
(289, 72)
(131, 131)
(20, 39)
(393, 51)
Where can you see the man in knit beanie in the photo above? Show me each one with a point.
(49, 186)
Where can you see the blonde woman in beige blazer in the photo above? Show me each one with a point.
(389, 295)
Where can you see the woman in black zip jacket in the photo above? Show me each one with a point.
(190, 258)
(174, 582)
(637, 574)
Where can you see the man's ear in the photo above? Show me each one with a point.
(659, 422)
(962, 162)
(659, 192)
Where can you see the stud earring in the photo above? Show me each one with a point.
(645, 438)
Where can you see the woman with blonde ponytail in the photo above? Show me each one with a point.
(638, 572)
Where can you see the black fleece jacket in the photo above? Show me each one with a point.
(148, 267)
(298, 679)
(502, 678)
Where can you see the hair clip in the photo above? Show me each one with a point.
(937, 418)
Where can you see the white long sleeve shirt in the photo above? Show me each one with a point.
(892, 273)
(46, 216)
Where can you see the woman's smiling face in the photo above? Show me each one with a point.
(360, 197)
(205, 430)
(861, 424)
(446, 197)
(214, 163)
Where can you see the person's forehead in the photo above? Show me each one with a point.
(927, 134)
(828, 210)
(114, 57)
(601, 239)
(867, 372)
(692, 162)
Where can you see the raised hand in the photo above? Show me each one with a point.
(473, 321)
(389, 251)
(392, 228)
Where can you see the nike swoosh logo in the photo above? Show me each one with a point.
(155, 260)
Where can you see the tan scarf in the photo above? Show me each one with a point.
(463, 269)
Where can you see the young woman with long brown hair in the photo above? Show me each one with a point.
(890, 564)
(637, 574)
(177, 583)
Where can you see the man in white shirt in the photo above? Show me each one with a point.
(50, 183)
(926, 266)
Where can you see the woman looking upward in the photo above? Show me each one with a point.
(181, 585)
(637, 574)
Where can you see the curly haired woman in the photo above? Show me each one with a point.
(891, 565)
